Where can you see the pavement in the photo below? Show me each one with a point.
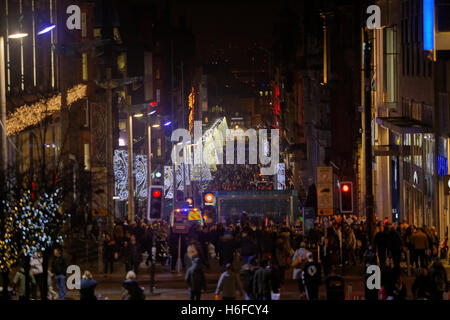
(171, 286)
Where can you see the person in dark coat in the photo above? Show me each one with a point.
(135, 254)
(394, 245)
(195, 278)
(248, 248)
(248, 273)
(227, 248)
(59, 269)
(312, 278)
(423, 286)
(438, 276)
(262, 282)
(109, 248)
(380, 245)
(87, 287)
(131, 289)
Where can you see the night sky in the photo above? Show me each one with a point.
(235, 22)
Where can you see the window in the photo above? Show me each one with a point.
(87, 157)
(390, 67)
(83, 25)
(159, 148)
(85, 67)
(417, 150)
(86, 114)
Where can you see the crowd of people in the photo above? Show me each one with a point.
(258, 258)
(244, 177)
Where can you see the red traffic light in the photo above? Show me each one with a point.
(345, 188)
(156, 194)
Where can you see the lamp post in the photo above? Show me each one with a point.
(149, 159)
(3, 97)
(130, 162)
(3, 105)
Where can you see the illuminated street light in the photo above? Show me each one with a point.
(156, 126)
(47, 29)
(18, 35)
(153, 112)
(138, 115)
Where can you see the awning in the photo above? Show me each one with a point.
(403, 125)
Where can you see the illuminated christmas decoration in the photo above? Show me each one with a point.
(281, 176)
(191, 109)
(30, 226)
(140, 173)
(30, 115)
(168, 182)
(180, 177)
(121, 174)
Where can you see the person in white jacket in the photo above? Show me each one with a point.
(37, 271)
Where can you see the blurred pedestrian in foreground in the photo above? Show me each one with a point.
(312, 278)
(131, 289)
(195, 278)
(59, 268)
(87, 287)
(229, 283)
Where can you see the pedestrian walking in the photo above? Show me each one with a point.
(229, 283)
(195, 278)
(262, 282)
(109, 251)
(312, 278)
(420, 244)
(59, 268)
(248, 273)
(298, 263)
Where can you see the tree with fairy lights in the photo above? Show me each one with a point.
(35, 225)
(9, 254)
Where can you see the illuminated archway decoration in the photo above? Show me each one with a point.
(30, 115)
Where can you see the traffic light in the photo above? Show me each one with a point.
(346, 197)
(156, 194)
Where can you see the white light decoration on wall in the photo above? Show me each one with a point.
(180, 176)
(281, 176)
(121, 174)
(140, 174)
(168, 182)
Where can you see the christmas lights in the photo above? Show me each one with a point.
(29, 115)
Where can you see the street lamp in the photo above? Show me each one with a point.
(47, 29)
(3, 96)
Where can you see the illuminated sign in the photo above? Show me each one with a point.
(442, 163)
(428, 25)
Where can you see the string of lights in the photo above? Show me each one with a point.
(29, 115)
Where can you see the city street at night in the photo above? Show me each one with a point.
(215, 159)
